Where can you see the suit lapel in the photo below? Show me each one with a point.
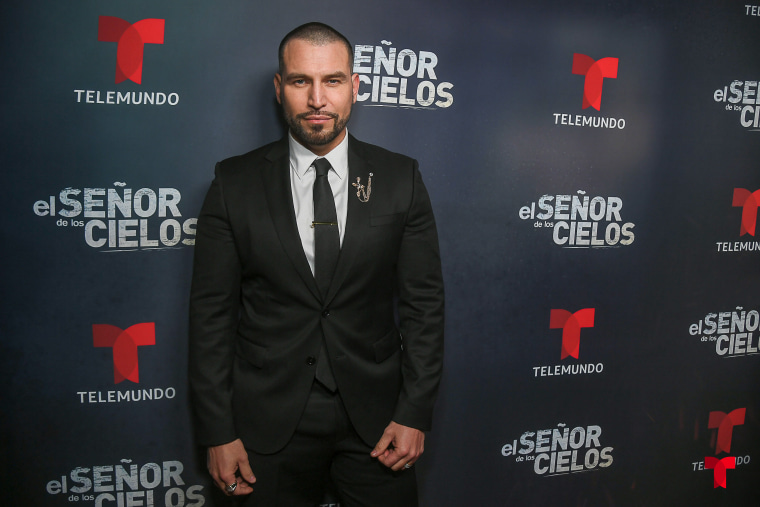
(280, 200)
(357, 219)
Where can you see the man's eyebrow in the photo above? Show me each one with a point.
(338, 73)
(333, 75)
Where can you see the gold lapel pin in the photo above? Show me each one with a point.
(363, 192)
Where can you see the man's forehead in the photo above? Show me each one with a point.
(300, 52)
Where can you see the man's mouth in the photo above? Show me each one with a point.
(317, 118)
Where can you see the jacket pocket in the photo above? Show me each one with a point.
(252, 353)
(386, 346)
(385, 219)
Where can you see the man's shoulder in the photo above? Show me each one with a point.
(378, 154)
(266, 154)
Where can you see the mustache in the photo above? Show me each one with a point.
(303, 116)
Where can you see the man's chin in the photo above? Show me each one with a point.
(316, 137)
(315, 130)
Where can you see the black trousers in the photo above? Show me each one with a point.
(326, 450)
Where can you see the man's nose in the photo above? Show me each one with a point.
(317, 96)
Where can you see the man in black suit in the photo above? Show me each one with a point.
(316, 313)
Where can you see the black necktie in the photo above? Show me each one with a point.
(326, 237)
(326, 251)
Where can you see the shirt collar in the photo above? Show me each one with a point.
(301, 158)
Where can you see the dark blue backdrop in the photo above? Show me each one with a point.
(500, 135)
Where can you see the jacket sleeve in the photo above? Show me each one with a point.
(214, 310)
(421, 311)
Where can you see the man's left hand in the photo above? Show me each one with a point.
(399, 446)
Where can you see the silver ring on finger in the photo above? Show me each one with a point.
(407, 466)
(231, 487)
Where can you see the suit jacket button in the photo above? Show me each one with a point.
(326, 313)
(311, 360)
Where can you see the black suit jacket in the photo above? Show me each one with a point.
(257, 318)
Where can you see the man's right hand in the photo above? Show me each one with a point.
(228, 464)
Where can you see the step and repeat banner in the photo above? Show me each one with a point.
(594, 170)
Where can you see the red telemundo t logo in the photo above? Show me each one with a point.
(124, 344)
(719, 467)
(725, 424)
(571, 324)
(748, 202)
(131, 40)
(595, 72)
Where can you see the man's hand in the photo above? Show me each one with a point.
(228, 464)
(399, 446)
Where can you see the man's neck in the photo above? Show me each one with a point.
(322, 150)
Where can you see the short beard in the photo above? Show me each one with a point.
(316, 135)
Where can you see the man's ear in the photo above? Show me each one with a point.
(277, 86)
(355, 85)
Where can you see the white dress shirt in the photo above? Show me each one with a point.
(302, 175)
